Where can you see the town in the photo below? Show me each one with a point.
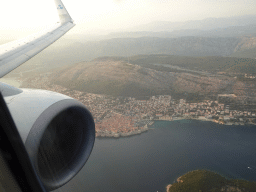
(126, 116)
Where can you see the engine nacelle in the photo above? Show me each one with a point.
(58, 133)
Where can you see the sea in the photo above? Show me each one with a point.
(150, 161)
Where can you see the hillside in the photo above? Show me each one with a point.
(246, 53)
(210, 64)
(118, 78)
(188, 46)
(207, 181)
(114, 78)
(69, 51)
(246, 48)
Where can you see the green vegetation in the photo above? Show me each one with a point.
(111, 87)
(127, 89)
(248, 53)
(120, 77)
(210, 64)
(207, 181)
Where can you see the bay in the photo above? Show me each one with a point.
(152, 160)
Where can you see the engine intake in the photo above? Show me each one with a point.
(60, 138)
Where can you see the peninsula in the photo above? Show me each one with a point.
(202, 180)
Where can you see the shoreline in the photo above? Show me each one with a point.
(178, 180)
(205, 119)
(226, 183)
(17, 82)
(146, 128)
(168, 187)
(120, 135)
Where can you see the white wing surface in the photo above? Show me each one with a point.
(15, 53)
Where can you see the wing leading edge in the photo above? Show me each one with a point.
(15, 53)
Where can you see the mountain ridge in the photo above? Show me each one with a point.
(205, 24)
(119, 78)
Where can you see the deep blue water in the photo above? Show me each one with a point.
(152, 160)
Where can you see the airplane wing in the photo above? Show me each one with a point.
(15, 53)
(52, 135)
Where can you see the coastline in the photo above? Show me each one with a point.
(205, 176)
(146, 127)
(178, 180)
(168, 187)
(140, 127)
(205, 119)
(119, 135)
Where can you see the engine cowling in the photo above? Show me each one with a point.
(57, 131)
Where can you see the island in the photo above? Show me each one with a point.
(207, 181)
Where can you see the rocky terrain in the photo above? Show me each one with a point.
(118, 78)
(247, 42)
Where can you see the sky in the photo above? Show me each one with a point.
(24, 16)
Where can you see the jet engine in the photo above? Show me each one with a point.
(58, 132)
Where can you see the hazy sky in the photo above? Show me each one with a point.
(22, 15)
